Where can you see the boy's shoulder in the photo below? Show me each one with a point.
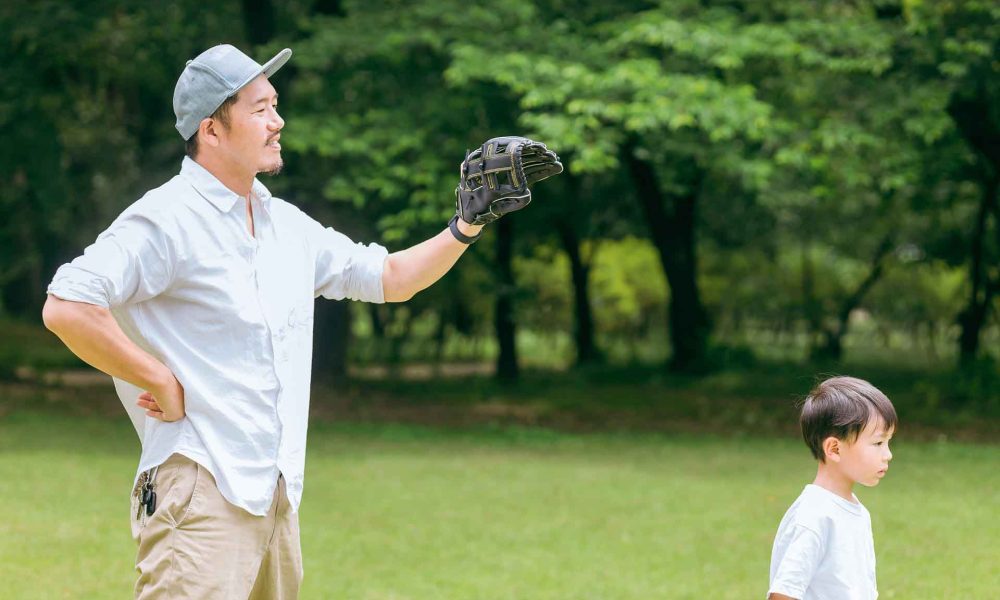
(818, 509)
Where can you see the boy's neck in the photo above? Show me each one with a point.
(831, 479)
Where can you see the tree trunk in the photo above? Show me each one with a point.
(833, 338)
(328, 7)
(258, 18)
(583, 323)
(971, 109)
(507, 369)
(973, 316)
(811, 309)
(331, 330)
(380, 339)
(22, 287)
(673, 234)
(440, 337)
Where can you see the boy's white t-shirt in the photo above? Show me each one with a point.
(824, 549)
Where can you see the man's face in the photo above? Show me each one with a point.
(251, 140)
(866, 460)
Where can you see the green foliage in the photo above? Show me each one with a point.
(932, 293)
(824, 131)
(628, 289)
(84, 97)
(399, 132)
(545, 300)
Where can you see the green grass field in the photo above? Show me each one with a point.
(395, 512)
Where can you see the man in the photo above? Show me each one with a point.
(201, 296)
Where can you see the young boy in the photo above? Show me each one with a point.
(824, 547)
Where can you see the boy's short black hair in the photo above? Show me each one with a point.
(842, 407)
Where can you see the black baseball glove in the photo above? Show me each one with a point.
(495, 177)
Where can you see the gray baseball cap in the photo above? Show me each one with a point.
(213, 76)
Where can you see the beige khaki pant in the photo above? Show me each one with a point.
(198, 545)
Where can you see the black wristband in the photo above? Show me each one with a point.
(453, 226)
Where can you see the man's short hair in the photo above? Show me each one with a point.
(842, 407)
(221, 115)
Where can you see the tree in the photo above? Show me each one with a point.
(958, 43)
(385, 133)
(84, 115)
(683, 97)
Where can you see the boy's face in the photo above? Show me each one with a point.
(866, 459)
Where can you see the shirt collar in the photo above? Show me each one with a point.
(851, 507)
(213, 190)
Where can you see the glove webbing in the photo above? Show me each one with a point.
(490, 163)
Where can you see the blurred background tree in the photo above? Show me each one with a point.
(793, 180)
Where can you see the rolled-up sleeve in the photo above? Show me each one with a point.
(132, 261)
(344, 268)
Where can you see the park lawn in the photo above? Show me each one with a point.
(404, 511)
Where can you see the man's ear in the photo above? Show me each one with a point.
(209, 131)
(831, 449)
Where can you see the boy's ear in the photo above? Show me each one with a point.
(831, 449)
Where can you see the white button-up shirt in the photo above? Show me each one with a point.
(230, 314)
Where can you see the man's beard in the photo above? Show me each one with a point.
(274, 169)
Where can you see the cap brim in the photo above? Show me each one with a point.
(279, 60)
(269, 68)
